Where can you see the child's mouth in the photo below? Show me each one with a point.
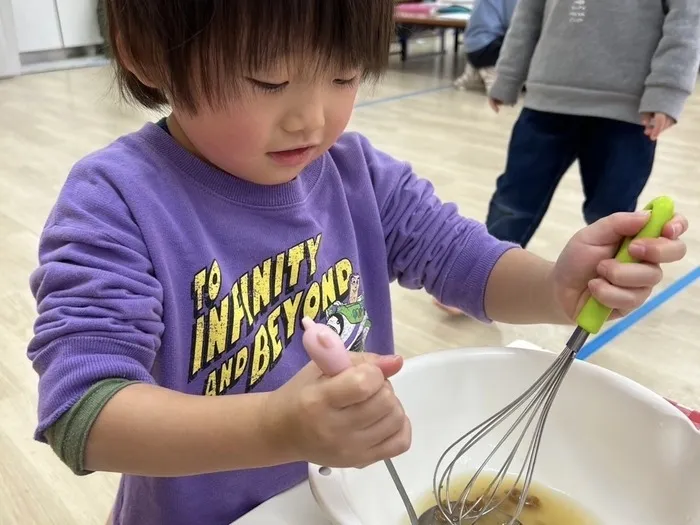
(291, 157)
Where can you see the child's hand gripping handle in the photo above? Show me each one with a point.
(593, 314)
(325, 348)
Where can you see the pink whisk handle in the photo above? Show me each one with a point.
(325, 348)
(693, 415)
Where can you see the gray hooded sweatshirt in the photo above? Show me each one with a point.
(601, 58)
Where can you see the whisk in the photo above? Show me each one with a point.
(534, 405)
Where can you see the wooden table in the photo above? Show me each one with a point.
(406, 23)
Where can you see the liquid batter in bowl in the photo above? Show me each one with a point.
(544, 506)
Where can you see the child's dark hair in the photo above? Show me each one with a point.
(199, 50)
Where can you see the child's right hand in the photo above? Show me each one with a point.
(350, 420)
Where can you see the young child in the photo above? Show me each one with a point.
(483, 39)
(179, 261)
(604, 80)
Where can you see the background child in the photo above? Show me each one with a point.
(604, 80)
(483, 39)
(179, 261)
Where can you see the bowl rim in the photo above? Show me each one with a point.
(327, 488)
(643, 392)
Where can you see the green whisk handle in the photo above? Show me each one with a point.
(593, 314)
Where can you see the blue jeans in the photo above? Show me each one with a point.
(615, 160)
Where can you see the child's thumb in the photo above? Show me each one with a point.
(326, 349)
(390, 365)
(613, 228)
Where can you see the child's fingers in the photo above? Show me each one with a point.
(390, 365)
(658, 251)
(630, 275)
(666, 122)
(394, 445)
(381, 429)
(624, 312)
(611, 229)
(355, 385)
(364, 415)
(616, 297)
(661, 123)
(648, 123)
(658, 129)
(675, 227)
(655, 124)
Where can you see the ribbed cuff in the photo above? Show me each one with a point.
(506, 89)
(70, 366)
(664, 100)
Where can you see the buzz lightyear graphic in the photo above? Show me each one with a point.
(349, 319)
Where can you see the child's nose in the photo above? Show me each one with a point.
(307, 118)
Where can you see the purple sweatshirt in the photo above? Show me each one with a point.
(157, 267)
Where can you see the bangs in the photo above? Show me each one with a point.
(200, 51)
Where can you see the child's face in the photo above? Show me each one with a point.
(285, 119)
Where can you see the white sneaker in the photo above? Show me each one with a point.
(470, 79)
(488, 77)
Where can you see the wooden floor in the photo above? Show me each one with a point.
(49, 121)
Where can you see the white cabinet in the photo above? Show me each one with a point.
(44, 25)
(9, 54)
(79, 24)
(36, 25)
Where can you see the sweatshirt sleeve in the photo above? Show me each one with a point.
(99, 303)
(674, 67)
(68, 435)
(429, 245)
(517, 50)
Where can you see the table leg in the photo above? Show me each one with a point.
(403, 33)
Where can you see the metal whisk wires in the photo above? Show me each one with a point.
(537, 400)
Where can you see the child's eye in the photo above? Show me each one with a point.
(346, 81)
(267, 86)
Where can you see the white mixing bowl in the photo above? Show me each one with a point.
(613, 446)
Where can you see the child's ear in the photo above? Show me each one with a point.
(128, 63)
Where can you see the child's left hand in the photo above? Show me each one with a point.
(587, 265)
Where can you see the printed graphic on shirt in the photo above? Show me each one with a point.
(245, 329)
(349, 319)
(577, 14)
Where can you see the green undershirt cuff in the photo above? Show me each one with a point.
(68, 436)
